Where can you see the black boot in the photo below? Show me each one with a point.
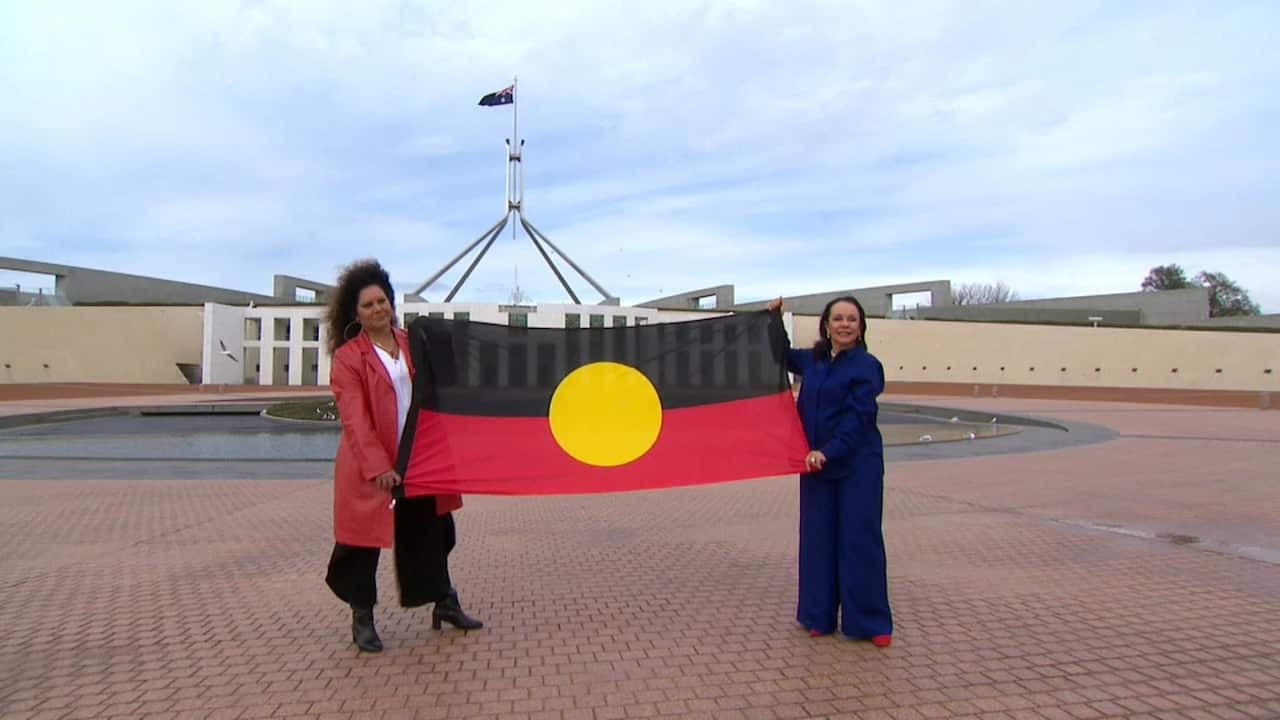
(363, 633)
(449, 610)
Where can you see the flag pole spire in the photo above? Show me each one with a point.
(514, 204)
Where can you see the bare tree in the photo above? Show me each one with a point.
(982, 293)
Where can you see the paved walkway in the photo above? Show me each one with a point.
(1137, 577)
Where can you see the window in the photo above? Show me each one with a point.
(572, 320)
(311, 330)
(645, 321)
(253, 328)
(310, 366)
(597, 321)
(619, 320)
(518, 319)
(437, 315)
(252, 366)
(282, 329)
(280, 371)
(462, 316)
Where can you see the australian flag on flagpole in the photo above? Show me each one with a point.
(505, 96)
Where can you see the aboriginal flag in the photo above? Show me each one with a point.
(531, 411)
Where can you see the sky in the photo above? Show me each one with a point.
(782, 147)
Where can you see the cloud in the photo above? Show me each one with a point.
(780, 147)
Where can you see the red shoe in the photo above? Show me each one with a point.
(816, 633)
(882, 641)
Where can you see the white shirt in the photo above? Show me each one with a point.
(399, 372)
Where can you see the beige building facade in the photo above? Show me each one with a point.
(1007, 354)
(135, 344)
(282, 345)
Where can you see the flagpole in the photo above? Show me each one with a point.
(514, 202)
(519, 174)
(517, 178)
(515, 114)
(506, 209)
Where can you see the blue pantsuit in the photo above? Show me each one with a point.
(842, 558)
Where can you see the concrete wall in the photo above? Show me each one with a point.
(1168, 307)
(98, 344)
(82, 286)
(958, 352)
(1244, 321)
(722, 294)
(222, 354)
(16, 297)
(285, 287)
(1005, 312)
(1171, 307)
(877, 301)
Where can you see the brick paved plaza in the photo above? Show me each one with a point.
(1138, 577)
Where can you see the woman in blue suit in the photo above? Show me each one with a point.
(842, 560)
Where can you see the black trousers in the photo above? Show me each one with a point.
(423, 540)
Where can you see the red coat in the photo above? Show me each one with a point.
(362, 513)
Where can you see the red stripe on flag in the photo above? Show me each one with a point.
(758, 437)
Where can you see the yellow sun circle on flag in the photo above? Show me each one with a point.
(605, 414)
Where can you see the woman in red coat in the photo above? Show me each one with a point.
(371, 378)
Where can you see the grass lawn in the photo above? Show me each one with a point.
(325, 411)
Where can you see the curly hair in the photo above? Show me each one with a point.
(822, 348)
(341, 314)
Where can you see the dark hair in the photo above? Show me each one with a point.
(822, 348)
(340, 317)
